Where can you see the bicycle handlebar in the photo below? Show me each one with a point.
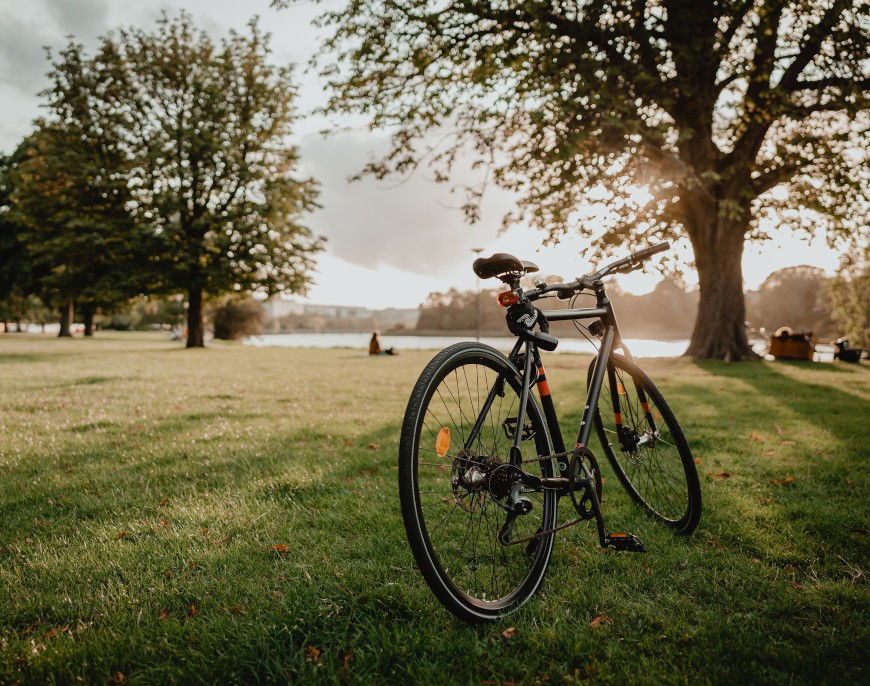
(625, 265)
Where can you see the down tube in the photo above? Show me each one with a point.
(595, 388)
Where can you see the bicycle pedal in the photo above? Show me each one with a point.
(619, 540)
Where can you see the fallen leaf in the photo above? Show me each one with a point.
(277, 593)
(163, 615)
(204, 531)
(312, 654)
(599, 621)
(697, 460)
(647, 569)
(374, 446)
(281, 548)
(347, 658)
(720, 475)
(714, 543)
(118, 678)
(756, 560)
(757, 437)
(193, 612)
(786, 480)
(163, 502)
(164, 523)
(769, 453)
(348, 444)
(509, 632)
(121, 535)
(51, 633)
(779, 429)
(236, 610)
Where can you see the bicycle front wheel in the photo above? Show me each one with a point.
(455, 477)
(645, 445)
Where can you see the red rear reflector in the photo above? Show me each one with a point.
(507, 298)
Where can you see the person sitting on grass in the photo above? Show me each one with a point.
(375, 346)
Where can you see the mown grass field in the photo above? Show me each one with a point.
(144, 489)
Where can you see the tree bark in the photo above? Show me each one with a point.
(720, 325)
(195, 333)
(88, 317)
(66, 316)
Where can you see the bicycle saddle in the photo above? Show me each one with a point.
(501, 263)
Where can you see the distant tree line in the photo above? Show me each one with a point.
(161, 167)
(803, 298)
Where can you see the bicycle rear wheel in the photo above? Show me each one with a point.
(643, 441)
(453, 483)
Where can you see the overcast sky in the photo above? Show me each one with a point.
(389, 244)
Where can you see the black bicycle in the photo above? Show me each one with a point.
(482, 464)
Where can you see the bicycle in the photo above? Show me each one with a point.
(483, 466)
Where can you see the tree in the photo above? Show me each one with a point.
(794, 297)
(849, 293)
(204, 131)
(16, 269)
(70, 197)
(684, 118)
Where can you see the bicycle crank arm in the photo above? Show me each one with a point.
(616, 540)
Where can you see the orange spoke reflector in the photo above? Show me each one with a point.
(507, 298)
(617, 416)
(442, 443)
(620, 388)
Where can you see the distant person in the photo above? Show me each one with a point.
(375, 346)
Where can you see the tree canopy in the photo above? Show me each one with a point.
(200, 131)
(683, 118)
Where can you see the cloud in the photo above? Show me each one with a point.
(25, 31)
(79, 17)
(22, 56)
(413, 225)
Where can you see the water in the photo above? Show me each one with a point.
(640, 347)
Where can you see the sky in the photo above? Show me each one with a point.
(389, 243)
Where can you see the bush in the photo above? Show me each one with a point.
(233, 318)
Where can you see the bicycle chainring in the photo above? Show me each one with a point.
(583, 504)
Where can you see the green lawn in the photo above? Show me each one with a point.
(144, 488)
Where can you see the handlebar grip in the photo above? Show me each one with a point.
(646, 253)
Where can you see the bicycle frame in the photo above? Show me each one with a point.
(526, 352)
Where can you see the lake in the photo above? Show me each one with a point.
(640, 347)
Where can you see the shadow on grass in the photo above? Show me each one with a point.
(343, 601)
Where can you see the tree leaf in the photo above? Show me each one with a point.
(600, 621)
(509, 632)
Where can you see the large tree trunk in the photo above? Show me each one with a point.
(66, 317)
(720, 325)
(88, 317)
(195, 337)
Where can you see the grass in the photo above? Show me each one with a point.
(145, 487)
